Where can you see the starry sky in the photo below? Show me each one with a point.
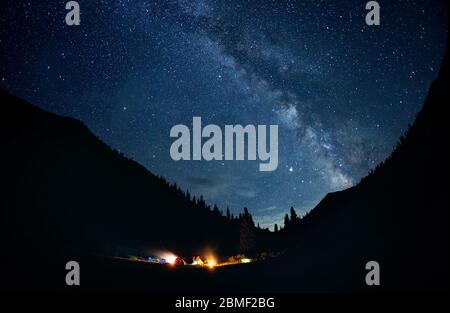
(341, 92)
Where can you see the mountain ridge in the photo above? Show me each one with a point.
(53, 159)
(397, 215)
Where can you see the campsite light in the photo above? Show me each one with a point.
(245, 260)
(169, 257)
(197, 261)
(211, 262)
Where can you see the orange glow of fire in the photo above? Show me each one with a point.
(211, 262)
(197, 261)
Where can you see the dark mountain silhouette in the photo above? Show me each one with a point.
(397, 215)
(64, 189)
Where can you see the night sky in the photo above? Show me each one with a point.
(341, 92)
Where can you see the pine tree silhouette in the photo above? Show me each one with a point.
(286, 221)
(294, 217)
(247, 236)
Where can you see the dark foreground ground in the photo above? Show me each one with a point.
(104, 274)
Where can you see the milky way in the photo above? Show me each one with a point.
(341, 92)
